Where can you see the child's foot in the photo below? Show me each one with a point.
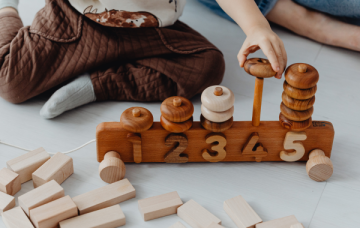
(76, 93)
(315, 25)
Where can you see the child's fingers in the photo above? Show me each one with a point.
(280, 57)
(245, 51)
(269, 51)
(284, 53)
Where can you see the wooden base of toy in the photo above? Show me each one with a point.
(112, 137)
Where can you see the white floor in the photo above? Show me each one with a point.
(274, 190)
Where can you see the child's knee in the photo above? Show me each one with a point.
(214, 67)
(12, 93)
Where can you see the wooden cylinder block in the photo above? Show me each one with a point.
(296, 115)
(112, 168)
(319, 167)
(294, 125)
(216, 127)
(136, 119)
(217, 117)
(259, 67)
(301, 76)
(217, 103)
(177, 109)
(298, 105)
(176, 127)
(300, 94)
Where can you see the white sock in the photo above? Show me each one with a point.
(75, 94)
(9, 3)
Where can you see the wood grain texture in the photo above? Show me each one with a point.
(285, 222)
(297, 225)
(293, 142)
(298, 105)
(179, 143)
(177, 113)
(259, 67)
(300, 94)
(176, 127)
(216, 103)
(16, 218)
(111, 137)
(294, 125)
(7, 202)
(218, 152)
(112, 168)
(296, 115)
(217, 117)
(136, 141)
(178, 225)
(9, 181)
(300, 80)
(258, 91)
(319, 167)
(216, 127)
(26, 164)
(136, 124)
(253, 148)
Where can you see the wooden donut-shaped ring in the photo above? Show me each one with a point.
(298, 105)
(134, 122)
(301, 76)
(217, 117)
(300, 94)
(259, 67)
(216, 103)
(216, 127)
(296, 115)
(176, 127)
(294, 125)
(172, 111)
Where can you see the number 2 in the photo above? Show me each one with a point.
(174, 155)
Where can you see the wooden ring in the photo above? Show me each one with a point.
(217, 103)
(216, 127)
(300, 94)
(294, 125)
(217, 117)
(305, 80)
(259, 67)
(176, 127)
(298, 105)
(296, 115)
(136, 124)
(174, 113)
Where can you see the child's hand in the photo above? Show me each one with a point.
(270, 44)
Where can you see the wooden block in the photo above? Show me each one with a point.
(218, 142)
(26, 164)
(6, 202)
(159, 206)
(285, 222)
(178, 225)
(50, 214)
(111, 137)
(107, 217)
(44, 194)
(215, 225)
(241, 213)
(196, 216)
(297, 225)
(59, 167)
(16, 218)
(9, 182)
(106, 196)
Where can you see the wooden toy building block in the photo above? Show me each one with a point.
(112, 168)
(44, 194)
(215, 225)
(16, 218)
(159, 206)
(6, 202)
(59, 167)
(26, 164)
(9, 182)
(297, 225)
(107, 217)
(196, 216)
(106, 196)
(178, 225)
(50, 214)
(285, 222)
(241, 213)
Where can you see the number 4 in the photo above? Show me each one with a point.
(289, 144)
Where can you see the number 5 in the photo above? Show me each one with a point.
(289, 144)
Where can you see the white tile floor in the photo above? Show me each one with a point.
(274, 190)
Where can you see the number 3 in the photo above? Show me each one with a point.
(289, 144)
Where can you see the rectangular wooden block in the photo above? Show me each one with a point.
(241, 213)
(9, 181)
(50, 214)
(159, 206)
(6, 202)
(16, 218)
(106, 196)
(297, 225)
(285, 222)
(26, 164)
(215, 225)
(196, 216)
(178, 225)
(44, 194)
(111, 137)
(107, 217)
(59, 167)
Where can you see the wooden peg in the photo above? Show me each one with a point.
(112, 168)
(219, 142)
(302, 68)
(254, 149)
(136, 141)
(136, 112)
(177, 102)
(9, 182)
(218, 91)
(319, 167)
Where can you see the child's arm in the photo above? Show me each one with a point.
(259, 34)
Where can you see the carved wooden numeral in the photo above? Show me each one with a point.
(179, 143)
(219, 140)
(254, 149)
(136, 141)
(289, 144)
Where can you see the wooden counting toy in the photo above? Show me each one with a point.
(9, 182)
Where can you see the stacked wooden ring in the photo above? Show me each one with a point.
(298, 97)
(176, 114)
(217, 108)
